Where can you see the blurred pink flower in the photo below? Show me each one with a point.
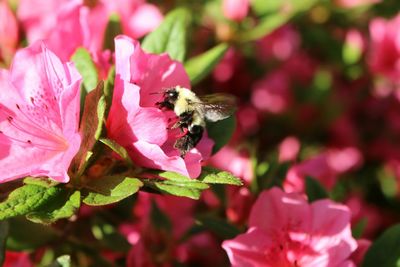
(234, 161)
(285, 230)
(137, 17)
(17, 259)
(325, 167)
(362, 247)
(156, 246)
(289, 149)
(83, 23)
(280, 44)
(8, 32)
(239, 202)
(355, 3)
(134, 121)
(360, 210)
(235, 9)
(384, 57)
(355, 39)
(272, 93)
(39, 115)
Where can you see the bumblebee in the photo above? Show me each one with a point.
(193, 111)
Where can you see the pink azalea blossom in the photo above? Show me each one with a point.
(272, 93)
(289, 149)
(362, 247)
(280, 44)
(384, 57)
(8, 32)
(83, 23)
(134, 121)
(355, 3)
(155, 246)
(285, 230)
(39, 115)
(234, 161)
(325, 167)
(17, 259)
(235, 9)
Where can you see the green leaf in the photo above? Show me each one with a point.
(109, 236)
(44, 182)
(26, 199)
(117, 148)
(266, 26)
(170, 36)
(113, 29)
(26, 235)
(358, 229)
(97, 106)
(218, 226)
(4, 227)
(62, 261)
(158, 218)
(64, 206)
(200, 66)
(315, 190)
(177, 185)
(221, 132)
(214, 176)
(385, 251)
(86, 67)
(110, 189)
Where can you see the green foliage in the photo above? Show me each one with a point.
(385, 251)
(215, 176)
(315, 190)
(110, 189)
(120, 150)
(200, 66)
(28, 198)
(26, 235)
(113, 29)
(86, 67)
(219, 136)
(177, 185)
(217, 226)
(170, 36)
(63, 207)
(109, 236)
(62, 261)
(358, 229)
(97, 105)
(4, 227)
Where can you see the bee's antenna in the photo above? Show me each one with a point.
(156, 93)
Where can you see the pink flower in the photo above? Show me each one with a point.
(288, 149)
(326, 167)
(8, 32)
(384, 57)
(156, 246)
(272, 93)
(137, 17)
(17, 259)
(83, 23)
(234, 161)
(355, 3)
(39, 115)
(280, 44)
(362, 247)
(285, 230)
(134, 121)
(58, 21)
(235, 9)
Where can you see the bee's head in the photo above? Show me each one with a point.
(171, 95)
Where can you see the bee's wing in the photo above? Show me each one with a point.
(217, 106)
